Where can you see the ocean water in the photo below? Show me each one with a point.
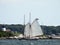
(30, 42)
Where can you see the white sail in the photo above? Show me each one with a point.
(26, 31)
(33, 30)
(36, 29)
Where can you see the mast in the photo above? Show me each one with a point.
(24, 20)
(30, 18)
(30, 25)
(24, 23)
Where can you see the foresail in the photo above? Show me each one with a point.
(36, 29)
(26, 31)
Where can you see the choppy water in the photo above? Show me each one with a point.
(31, 42)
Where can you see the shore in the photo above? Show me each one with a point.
(4, 38)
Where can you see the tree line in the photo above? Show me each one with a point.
(48, 30)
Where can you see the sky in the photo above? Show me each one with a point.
(13, 11)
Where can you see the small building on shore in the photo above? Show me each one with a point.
(3, 29)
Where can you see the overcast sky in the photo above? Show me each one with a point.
(12, 11)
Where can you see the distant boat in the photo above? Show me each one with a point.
(33, 31)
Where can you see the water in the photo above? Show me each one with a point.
(31, 42)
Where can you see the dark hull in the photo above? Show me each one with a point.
(27, 39)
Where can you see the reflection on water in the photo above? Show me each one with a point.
(31, 42)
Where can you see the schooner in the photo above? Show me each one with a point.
(33, 30)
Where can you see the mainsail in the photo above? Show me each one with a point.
(36, 29)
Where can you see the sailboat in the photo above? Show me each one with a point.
(33, 30)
